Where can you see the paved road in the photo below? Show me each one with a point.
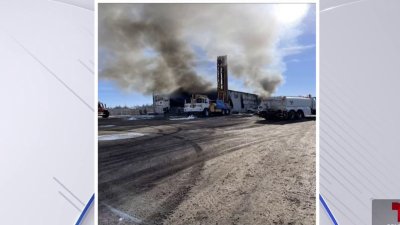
(220, 170)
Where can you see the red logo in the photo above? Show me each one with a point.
(396, 206)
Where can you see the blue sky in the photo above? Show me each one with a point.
(299, 73)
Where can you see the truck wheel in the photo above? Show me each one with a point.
(228, 112)
(291, 115)
(300, 115)
(223, 112)
(106, 114)
(206, 113)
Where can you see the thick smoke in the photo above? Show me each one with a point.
(155, 47)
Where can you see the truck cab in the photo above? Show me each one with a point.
(198, 104)
(102, 110)
(201, 104)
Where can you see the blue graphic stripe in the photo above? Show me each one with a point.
(327, 209)
(83, 214)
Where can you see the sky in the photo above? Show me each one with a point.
(294, 50)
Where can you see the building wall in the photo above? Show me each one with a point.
(243, 102)
(160, 103)
(121, 111)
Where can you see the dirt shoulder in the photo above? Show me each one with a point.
(271, 182)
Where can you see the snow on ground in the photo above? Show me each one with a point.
(191, 117)
(141, 117)
(112, 137)
(105, 126)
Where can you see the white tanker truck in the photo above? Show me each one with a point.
(286, 107)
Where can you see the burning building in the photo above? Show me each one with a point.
(240, 102)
